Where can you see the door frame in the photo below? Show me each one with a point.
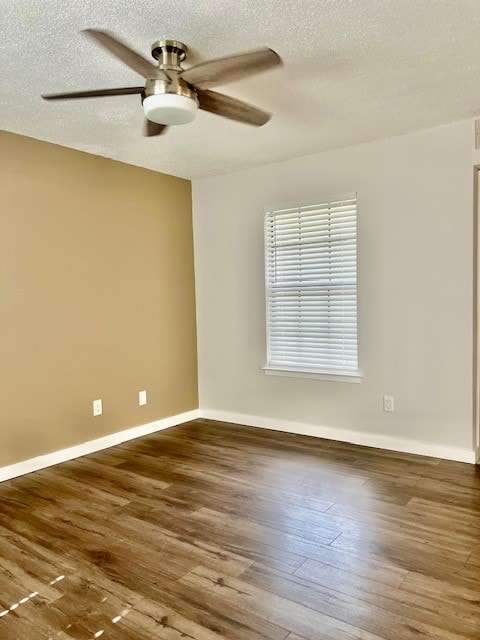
(476, 309)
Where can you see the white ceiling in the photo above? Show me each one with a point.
(355, 70)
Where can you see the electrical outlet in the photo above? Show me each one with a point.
(142, 398)
(388, 404)
(97, 408)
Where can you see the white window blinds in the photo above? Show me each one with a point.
(311, 286)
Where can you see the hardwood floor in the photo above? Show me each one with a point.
(207, 531)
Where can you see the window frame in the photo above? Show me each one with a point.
(305, 371)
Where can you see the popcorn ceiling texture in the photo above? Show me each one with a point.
(354, 71)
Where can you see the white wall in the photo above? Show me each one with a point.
(415, 216)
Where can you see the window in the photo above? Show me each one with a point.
(311, 287)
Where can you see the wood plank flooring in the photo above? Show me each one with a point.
(211, 531)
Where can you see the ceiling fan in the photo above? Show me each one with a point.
(172, 95)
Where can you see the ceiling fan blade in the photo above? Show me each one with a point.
(131, 58)
(153, 128)
(232, 108)
(231, 68)
(96, 93)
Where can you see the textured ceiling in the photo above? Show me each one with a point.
(354, 71)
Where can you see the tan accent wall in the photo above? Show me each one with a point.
(97, 296)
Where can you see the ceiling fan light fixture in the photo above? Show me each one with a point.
(170, 108)
(172, 94)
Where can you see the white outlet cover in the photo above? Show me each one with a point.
(142, 398)
(97, 408)
(388, 404)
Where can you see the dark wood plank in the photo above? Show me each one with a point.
(213, 531)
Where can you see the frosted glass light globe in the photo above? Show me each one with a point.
(169, 108)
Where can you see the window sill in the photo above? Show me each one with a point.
(353, 378)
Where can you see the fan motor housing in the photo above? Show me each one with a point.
(176, 86)
(169, 53)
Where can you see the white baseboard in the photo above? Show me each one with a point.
(343, 435)
(50, 459)
(329, 433)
